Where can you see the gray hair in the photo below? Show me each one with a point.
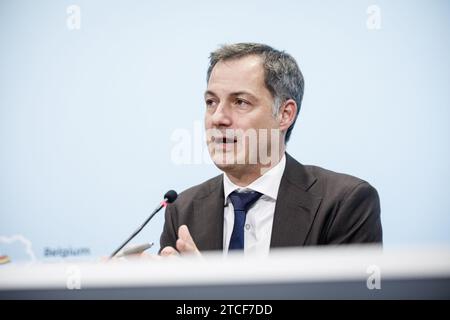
(283, 77)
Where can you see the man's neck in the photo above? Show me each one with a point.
(243, 180)
(245, 175)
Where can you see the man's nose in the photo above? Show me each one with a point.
(221, 117)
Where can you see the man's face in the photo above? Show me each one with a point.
(239, 116)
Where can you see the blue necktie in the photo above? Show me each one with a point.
(242, 201)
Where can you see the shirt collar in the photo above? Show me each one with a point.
(268, 184)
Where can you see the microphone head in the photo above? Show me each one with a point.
(171, 196)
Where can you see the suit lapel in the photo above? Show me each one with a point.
(295, 208)
(208, 211)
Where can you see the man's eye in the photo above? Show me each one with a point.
(242, 103)
(210, 103)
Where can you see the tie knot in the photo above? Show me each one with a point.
(242, 201)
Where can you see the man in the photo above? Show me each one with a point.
(264, 198)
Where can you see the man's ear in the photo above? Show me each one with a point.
(287, 114)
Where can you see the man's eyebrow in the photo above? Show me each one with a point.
(240, 93)
(237, 93)
(209, 92)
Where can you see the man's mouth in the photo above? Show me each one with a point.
(224, 139)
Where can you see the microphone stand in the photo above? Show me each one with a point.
(159, 207)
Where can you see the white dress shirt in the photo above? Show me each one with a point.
(259, 219)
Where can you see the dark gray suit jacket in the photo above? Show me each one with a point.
(314, 207)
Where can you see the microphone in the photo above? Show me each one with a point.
(169, 197)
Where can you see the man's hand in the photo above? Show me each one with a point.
(185, 244)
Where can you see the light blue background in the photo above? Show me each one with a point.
(86, 117)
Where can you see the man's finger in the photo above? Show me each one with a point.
(169, 251)
(183, 234)
(185, 243)
(185, 247)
